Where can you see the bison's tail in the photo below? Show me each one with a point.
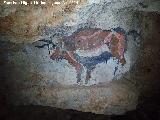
(133, 33)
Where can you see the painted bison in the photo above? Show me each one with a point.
(90, 40)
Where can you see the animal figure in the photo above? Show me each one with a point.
(90, 40)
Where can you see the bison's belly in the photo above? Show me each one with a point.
(91, 62)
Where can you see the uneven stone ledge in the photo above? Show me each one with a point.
(114, 98)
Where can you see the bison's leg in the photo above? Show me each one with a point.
(79, 73)
(121, 47)
(72, 61)
(88, 74)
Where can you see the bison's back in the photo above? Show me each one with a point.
(85, 39)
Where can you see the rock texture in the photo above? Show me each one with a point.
(31, 77)
(24, 23)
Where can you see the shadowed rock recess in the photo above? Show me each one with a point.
(80, 59)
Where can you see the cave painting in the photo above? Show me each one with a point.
(90, 40)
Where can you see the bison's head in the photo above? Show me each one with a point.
(56, 54)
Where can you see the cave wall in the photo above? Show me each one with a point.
(31, 77)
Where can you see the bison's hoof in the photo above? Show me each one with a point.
(79, 83)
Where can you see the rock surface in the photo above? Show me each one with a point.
(32, 77)
(24, 23)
